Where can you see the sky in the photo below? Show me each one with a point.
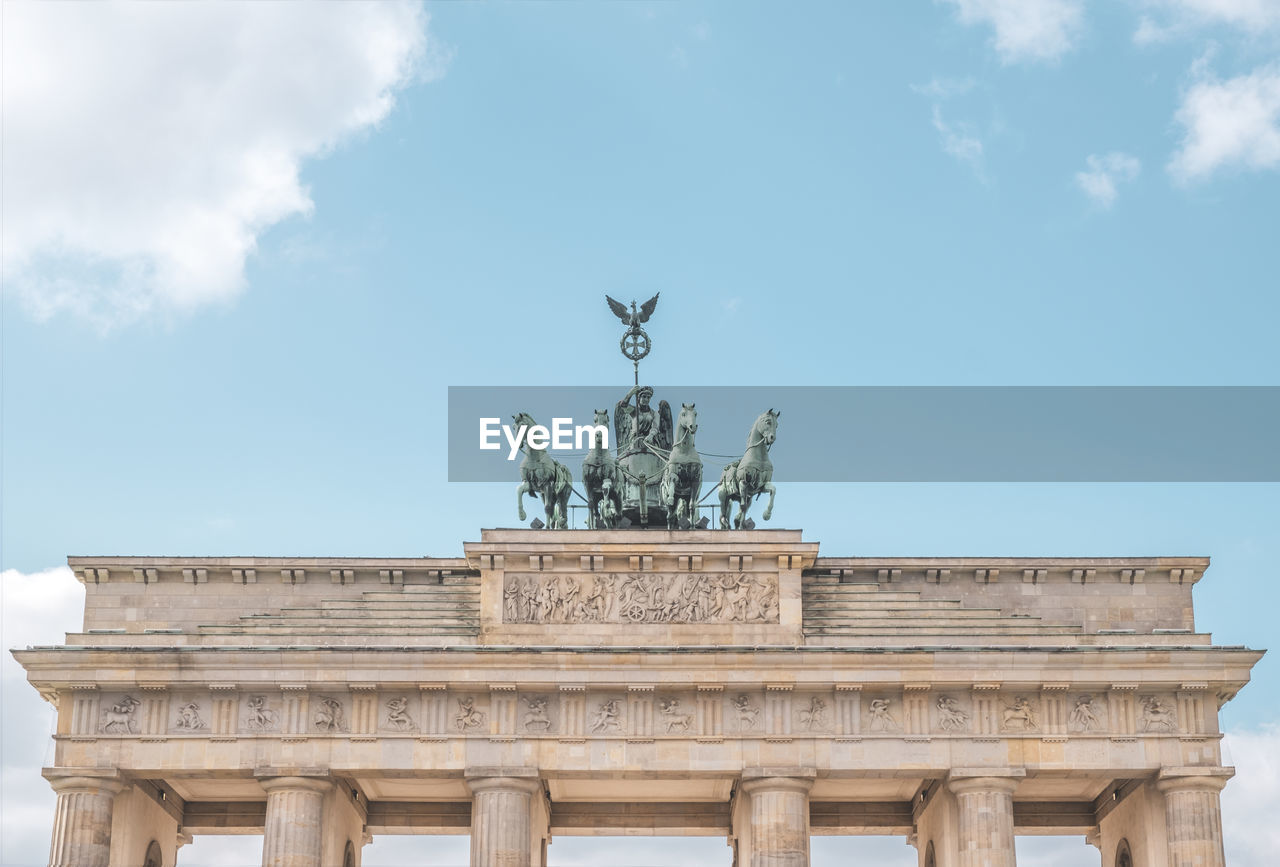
(246, 249)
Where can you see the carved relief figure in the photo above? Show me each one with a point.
(467, 716)
(675, 718)
(535, 718)
(398, 716)
(640, 598)
(1021, 716)
(1157, 716)
(511, 602)
(120, 718)
(881, 719)
(595, 606)
(189, 717)
(814, 717)
(951, 716)
(1083, 716)
(329, 715)
(605, 719)
(261, 718)
(748, 713)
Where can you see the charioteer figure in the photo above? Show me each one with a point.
(643, 435)
(641, 429)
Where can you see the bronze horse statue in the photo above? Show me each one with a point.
(682, 477)
(752, 474)
(543, 476)
(602, 479)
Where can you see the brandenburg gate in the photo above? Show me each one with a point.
(647, 675)
(734, 683)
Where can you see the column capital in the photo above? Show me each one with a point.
(778, 779)
(502, 777)
(88, 780)
(276, 782)
(1001, 780)
(1193, 779)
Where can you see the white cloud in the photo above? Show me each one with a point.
(1026, 30)
(149, 145)
(35, 608)
(1183, 16)
(1249, 801)
(1228, 124)
(959, 142)
(1150, 32)
(1103, 172)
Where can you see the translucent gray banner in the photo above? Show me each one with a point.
(921, 433)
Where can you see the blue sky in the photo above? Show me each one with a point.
(241, 270)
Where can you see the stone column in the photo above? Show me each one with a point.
(82, 819)
(295, 806)
(501, 826)
(779, 817)
(985, 807)
(1193, 815)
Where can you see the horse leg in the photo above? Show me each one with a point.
(695, 491)
(562, 504)
(549, 506)
(520, 492)
(593, 503)
(768, 510)
(745, 496)
(615, 494)
(667, 494)
(725, 508)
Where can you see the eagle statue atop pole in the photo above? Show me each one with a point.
(642, 432)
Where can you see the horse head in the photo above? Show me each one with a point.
(602, 417)
(766, 427)
(687, 421)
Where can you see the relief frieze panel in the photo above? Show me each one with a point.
(468, 716)
(1087, 714)
(440, 711)
(813, 714)
(189, 718)
(536, 718)
(882, 716)
(745, 712)
(397, 715)
(641, 597)
(120, 717)
(953, 716)
(1157, 716)
(261, 714)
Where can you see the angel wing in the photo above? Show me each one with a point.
(666, 429)
(646, 310)
(622, 426)
(620, 310)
